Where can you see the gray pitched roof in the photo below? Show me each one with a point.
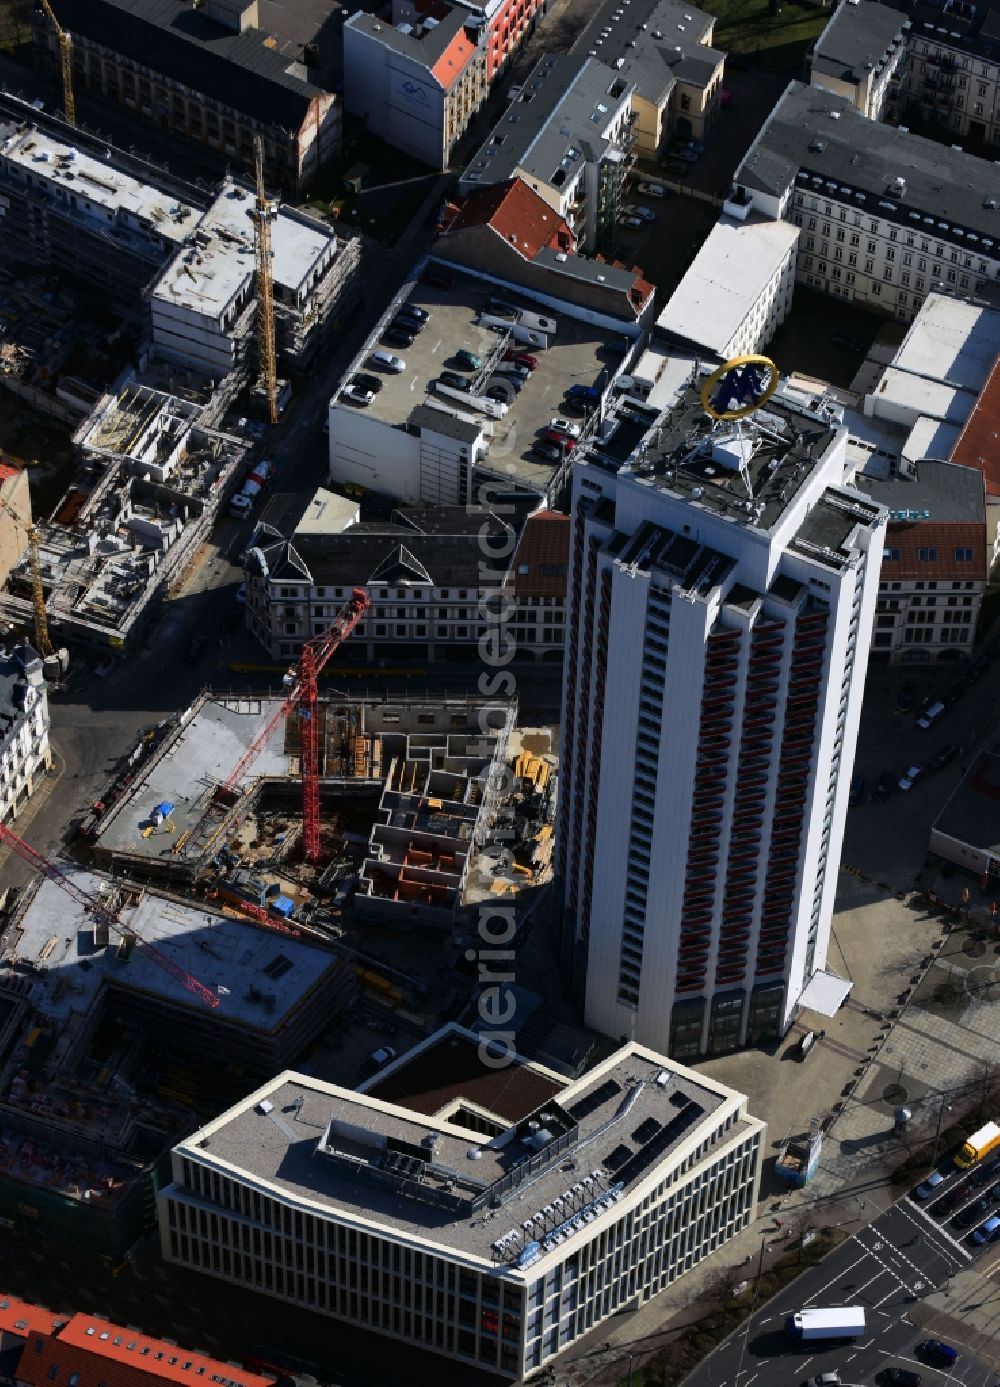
(949, 491)
(819, 141)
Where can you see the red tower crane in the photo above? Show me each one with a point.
(304, 697)
(107, 917)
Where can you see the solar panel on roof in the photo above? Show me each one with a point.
(590, 1102)
(646, 1130)
(678, 1099)
(617, 1157)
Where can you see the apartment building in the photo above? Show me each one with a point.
(664, 49)
(935, 561)
(497, 1228)
(887, 216)
(417, 84)
(569, 134)
(503, 25)
(861, 55)
(14, 494)
(24, 728)
(951, 85)
(509, 235)
(207, 73)
(722, 593)
(433, 588)
(737, 291)
(42, 1348)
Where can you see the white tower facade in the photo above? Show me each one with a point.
(722, 588)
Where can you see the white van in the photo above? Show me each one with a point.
(386, 361)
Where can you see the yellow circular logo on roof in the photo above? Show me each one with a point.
(739, 386)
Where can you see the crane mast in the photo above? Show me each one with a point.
(263, 215)
(65, 62)
(43, 643)
(100, 911)
(303, 697)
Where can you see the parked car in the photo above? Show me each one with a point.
(925, 1190)
(646, 214)
(634, 222)
(387, 361)
(468, 359)
(949, 1202)
(367, 381)
(381, 1057)
(652, 189)
(977, 669)
(974, 1212)
(944, 757)
(408, 325)
(907, 695)
(987, 1232)
(823, 1380)
(354, 395)
(559, 440)
(587, 394)
(525, 360)
(565, 426)
(938, 1351)
(413, 310)
(683, 154)
(986, 1173)
(396, 337)
(549, 451)
(907, 781)
(930, 715)
(884, 787)
(899, 1377)
(453, 379)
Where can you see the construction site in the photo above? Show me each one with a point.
(148, 490)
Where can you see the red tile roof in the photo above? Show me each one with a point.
(540, 564)
(19, 1317)
(943, 536)
(453, 61)
(515, 212)
(100, 1352)
(6, 471)
(979, 442)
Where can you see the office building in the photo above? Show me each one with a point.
(207, 73)
(737, 291)
(887, 216)
(569, 134)
(722, 592)
(861, 55)
(494, 1220)
(24, 727)
(416, 85)
(426, 571)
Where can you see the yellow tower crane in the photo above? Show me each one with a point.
(263, 215)
(42, 642)
(65, 62)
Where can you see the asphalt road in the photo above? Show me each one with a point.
(888, 1267)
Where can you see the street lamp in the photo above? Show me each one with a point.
(945, 1107)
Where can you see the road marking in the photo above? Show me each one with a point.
(929, 1227)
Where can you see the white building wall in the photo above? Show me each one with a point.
(368, 452)
(24, 752)
(400, 97)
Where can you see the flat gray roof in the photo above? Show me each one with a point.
(258, 976)
(650, 38)
(947, 490)
(972, 815)
(821, 142)
(574, 356)
(858, 36)
(616, 1111)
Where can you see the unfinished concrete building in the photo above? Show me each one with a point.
(102, 1049)
(202, 306)
(414, 777)
(73, 204)
(152, 483)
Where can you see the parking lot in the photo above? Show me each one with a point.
(578, 355)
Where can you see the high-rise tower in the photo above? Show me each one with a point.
(722, 585)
